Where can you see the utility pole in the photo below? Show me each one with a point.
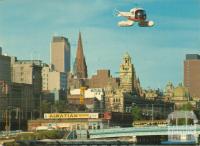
(9, 112)
(152, 112)
(40, 106)
(19, 118)
(6, 117)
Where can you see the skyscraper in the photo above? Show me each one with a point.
(60, 54)
(80, 67)
(192, 74)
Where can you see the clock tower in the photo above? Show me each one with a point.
(127, 74)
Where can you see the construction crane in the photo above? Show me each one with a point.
(82, 95)
(82, 90)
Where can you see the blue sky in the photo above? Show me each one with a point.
(27, 26)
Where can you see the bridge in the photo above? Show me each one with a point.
(183, 131)
(144, 131)
(188, 131)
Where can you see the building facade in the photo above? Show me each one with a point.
(71, 121)
(60, 54)
(128, 80)
(5, 70)
(127, 74)
(169, 90)
(114, 100)
(93, 98)
(57, 81)
(28, 72)
(103, 79)
(54, 84)
(119, 99)
(45, 75)
(19, 101)
(192, 74)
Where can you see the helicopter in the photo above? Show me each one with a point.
(134, 15)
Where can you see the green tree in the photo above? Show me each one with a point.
(185, 107)
(45, 106)
(136, 113)
(60, 106)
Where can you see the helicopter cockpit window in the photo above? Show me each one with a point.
(140, 14)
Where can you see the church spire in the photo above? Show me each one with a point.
(80, 64)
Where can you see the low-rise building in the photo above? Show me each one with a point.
(93, 98)
(18, 103)
(179, 95)
(116, 100)
(69, 121)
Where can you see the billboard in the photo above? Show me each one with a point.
(71, 116)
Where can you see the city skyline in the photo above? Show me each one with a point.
(157, 53)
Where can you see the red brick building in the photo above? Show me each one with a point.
(192, 74)
(103, 79)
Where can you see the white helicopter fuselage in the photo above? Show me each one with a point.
(135, 15)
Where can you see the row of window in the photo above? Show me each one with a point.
(116, 100)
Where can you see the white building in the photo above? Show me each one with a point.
(53, 80)
(45, 74)
(57, 81)
(90, 93)
(93, 98)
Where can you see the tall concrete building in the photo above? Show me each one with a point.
(60, 54)
(80, 67)
(192, 74)
(5, 71)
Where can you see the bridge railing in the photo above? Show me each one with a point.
(182, 130)
(150, 130)
(9, 133)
